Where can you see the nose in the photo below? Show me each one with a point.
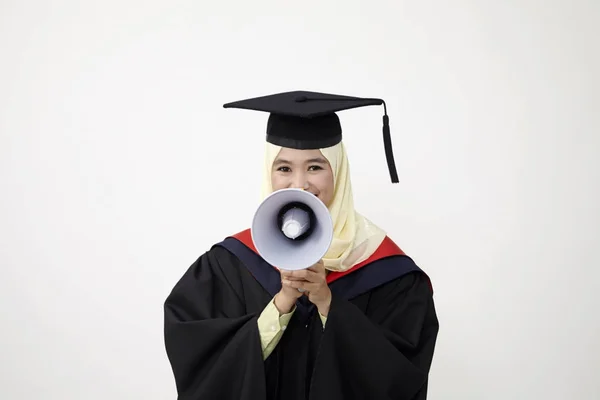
(300, 181)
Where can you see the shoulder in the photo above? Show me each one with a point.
(388, 258)
(392, 262)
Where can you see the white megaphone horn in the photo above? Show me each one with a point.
(292, 229)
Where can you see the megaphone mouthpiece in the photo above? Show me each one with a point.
(296, 220)
(295, 223)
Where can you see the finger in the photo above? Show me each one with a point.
(290, 291)
(315, 275)
(307, 286)
(294, 283)
(310, 276)
(290, 284)
(318, 267)
(301, 273)
(294, 278)
(293, 275)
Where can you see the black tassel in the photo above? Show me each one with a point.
(387, 137)
(387, 144)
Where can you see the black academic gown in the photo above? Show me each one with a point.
(378, 341)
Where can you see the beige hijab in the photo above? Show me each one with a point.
(355, 238)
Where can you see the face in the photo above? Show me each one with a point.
(303, 169)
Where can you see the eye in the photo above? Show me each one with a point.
(315, 168)
(284, 169)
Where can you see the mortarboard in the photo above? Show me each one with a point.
(307, 120)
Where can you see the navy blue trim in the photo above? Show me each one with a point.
(373, 275)
(263, 272)
(348, 287)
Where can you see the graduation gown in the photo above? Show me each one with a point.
(377, 343)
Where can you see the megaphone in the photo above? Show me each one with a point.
(292, 229)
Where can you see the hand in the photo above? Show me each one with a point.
(287, 296)
(313, 281)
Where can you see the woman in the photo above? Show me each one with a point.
(360, 324)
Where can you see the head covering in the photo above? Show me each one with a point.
(355, 238)
(307, 120)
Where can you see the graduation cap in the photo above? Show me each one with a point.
(307, 120)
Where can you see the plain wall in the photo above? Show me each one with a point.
(119, 167)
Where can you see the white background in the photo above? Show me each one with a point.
(119, 167)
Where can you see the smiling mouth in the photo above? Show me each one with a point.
(316, 195)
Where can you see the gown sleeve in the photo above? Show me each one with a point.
(212, 343)
(384, 353)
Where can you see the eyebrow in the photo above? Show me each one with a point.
(317, 160)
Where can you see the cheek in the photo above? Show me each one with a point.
(325, 183)
(277, 182)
